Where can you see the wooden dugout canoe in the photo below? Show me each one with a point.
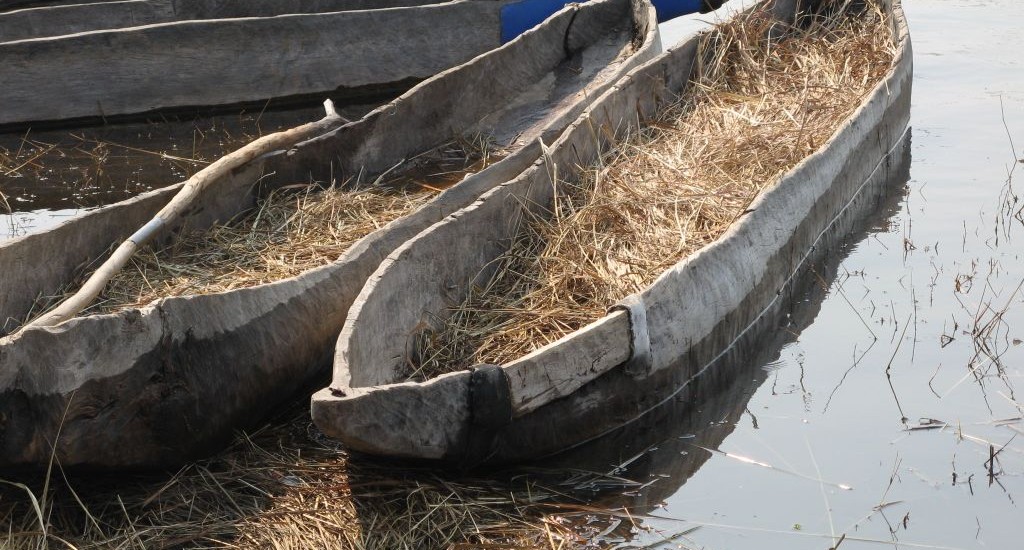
(170, 381)
(613, 370)
(109, 59)
(22, 22)
(668, 441)
(103, 60)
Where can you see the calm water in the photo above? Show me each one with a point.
(871, 416)
(876, 420)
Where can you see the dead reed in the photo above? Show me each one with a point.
(290, 231)
(755, 108)
(285, 487)
(287, 234)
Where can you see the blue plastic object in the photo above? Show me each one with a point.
(670, 9)
(519, 17)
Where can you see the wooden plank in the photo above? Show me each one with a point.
(563, 366)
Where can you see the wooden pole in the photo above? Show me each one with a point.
(195, 185)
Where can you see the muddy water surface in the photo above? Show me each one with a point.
(887, 413)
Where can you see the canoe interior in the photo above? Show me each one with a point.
(180, 357)
(693, 312)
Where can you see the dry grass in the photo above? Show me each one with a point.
(290, 232)
(286, 487)
(755, 109)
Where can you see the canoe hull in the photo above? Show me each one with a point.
(570, 391)
(71, 17)
(184, 64)
(163, 384)
(617, 398)
(665, 442)
(78, 63)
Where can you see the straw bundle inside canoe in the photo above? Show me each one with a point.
(754, 109)
(291, 231)
(288, 234)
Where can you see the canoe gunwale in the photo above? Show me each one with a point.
(889, 97)
(175, 336)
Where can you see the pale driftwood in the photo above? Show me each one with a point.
(186, 197)
(694, 312)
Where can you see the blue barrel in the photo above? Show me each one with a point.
(519, 17)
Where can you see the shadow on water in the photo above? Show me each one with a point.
(636, 467)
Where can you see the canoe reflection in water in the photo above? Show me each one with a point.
(638, 466)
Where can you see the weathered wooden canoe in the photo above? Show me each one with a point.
(705, 408)
(124, 58)
(597, 378)
(54, 20)
(107, 59)
(171, 381)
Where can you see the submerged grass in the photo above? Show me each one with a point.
(284, 487)
(47, 168)
(754, 109)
